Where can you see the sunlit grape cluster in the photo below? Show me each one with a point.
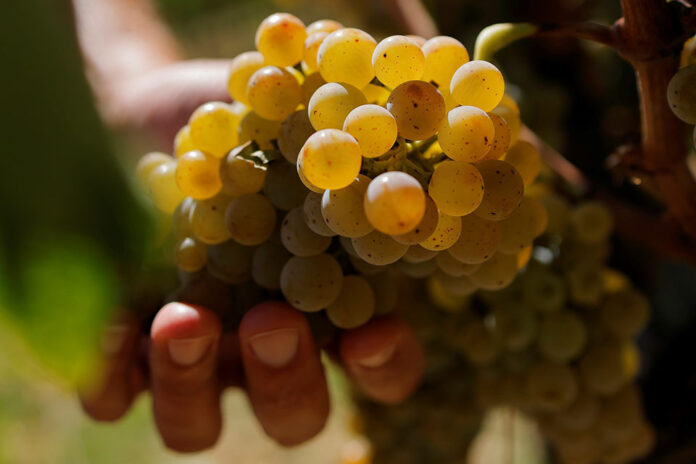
(342, 159)
(558, 345)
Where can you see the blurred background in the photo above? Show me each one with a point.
(579, 97)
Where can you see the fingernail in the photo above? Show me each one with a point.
(275, 348)
(378, 359)
(188, 351)
(113, 338)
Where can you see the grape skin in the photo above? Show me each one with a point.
(345, 55)
(501, 140)
(331, 159)
(324, 25)
(331, 103)
(147, 164)
(298, 238)
(443, 56)
(503, 190)
(182, 142)
(280, 39)
(162, 187)
(446, 233)
(273, 93)
(681, 94)
(562, 336)
(418, 109)
(198, 175)
(478, 83)
(283, 188)
(241, 176)
(213, 128)
(260, 130)
(230, 262)
(311, 47)
(497, 272)
(373, 127)
(311, 210)
(518, 230)
(355, 304)
(394, 203)
(398, 59)
(208, 220)
(267, 263)
(418, 254)
(456, 187)
(466, 134)
(294, 131)
(311, 283)
(190, 255)
(451, 266)
(250, 219)
(343, 211)
(478, 240)
(425, 227)
(242, 67)
(525, 158)
(378, 249)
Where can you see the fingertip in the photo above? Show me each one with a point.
(183, 321)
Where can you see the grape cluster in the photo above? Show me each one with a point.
(343, 162)
(558, 344)
(681, 91)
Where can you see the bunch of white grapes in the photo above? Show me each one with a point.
(681, 91)
(344, 163)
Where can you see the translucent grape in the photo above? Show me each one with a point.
(304, 180)
(273, 93)
(446, 233)
(241, 176)
(346, 56)
(503, 192)
(208, 220)
(213, 128)
(148, 163)
(190, 255)
(298, 238)
(330, 159)
(496, 273)
(451, 266)
(425, 227)
(181, 218)
(311, 283)
(444, 299)
(466, 134)
(558, 211)
(283, 188)
(552, 387)
(311, 47)
(518, 230)
(544, 290)
(608, 365)
(418, 254)
(394, 203)
(343, 211)
(585, 284)
(501, 139)
(161, 185)
(260, 130)
(592, 222)
(478, 83)
(294, 132)
(417, 270)
(477, 242)
(562, 336)
(443, 56)
(376, 94)
(373, 127)
(310, 85)
(250, 219)
(230, 262)
(509, 111)
(418, 109)
(398, 59)
(182, 142)
(312, 214)
(331, 103)
(516, 325)
(378, 249)
(456, 187)
(267, 263)
(625, 313)
(280, 39)
(525, 158)
(324, 25)
(198, 175)
(355, 304)
(681, 94)
(241, 69)
(365, 268)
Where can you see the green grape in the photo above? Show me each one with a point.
(525, 158)
(294, 132)
(459, 286)
(503, 192)
(478, 344)
(478, 83)
(213, 128)
(541, 217)
(355, 304)
(260, 130)
(190, 255)
(303, 179)
(345, 55)
(518, 230)
(365, 268)
(394, 203)
(609, 365)
(579, 416)
(681, 94)
(208, 220)
(181, 218)
(443, 56)
(516, 325)
(331, 103)
(280, 39)
(508, 110)
(312, 283)
(376, 94)
(558, 211)
(418, 254)
(456, 187)
(311, 212)
(373, 127)
(417, 270)
(273, 93)
(230, 262)
(575, 255)
(324, 25)
(241, 176)
(591, 222)
(331, 159)
(241, 69)
(398, 59)
(418, 109)
(562, 336)
(466, 134)
(198, 175)
(501, 139)
(378, 249)
(446, 233)
(311, 47)
(266, 264)
(162, 188)
(625, 313)
(182, 142)
(544, 290)
(552, 387)
(425, 227)
(147, 164)
(454, 267)
(385, 286)
(496, 273)
(343, 211)
(250, 219)
(585, 284)
(445, 300)
(477, 242)
(283, 188)
(298, 238)
(310, 85)
(620, 415)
